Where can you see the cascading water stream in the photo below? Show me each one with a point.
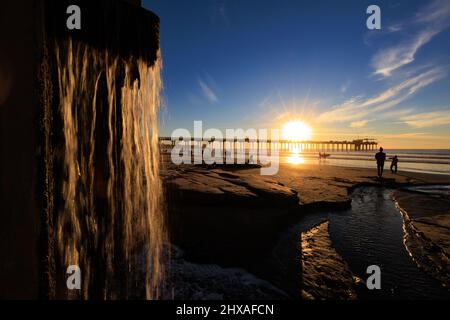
(110, 220)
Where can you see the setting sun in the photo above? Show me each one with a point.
(296, 131)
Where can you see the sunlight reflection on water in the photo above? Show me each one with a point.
(296, 157)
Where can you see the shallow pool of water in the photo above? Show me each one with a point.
(371, 233)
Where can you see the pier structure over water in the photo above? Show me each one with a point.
(282, 145)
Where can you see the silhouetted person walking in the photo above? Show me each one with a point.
(394, 164)
(381, 158)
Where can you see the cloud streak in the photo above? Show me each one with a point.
(430, 21)
(359, 124)
(208, 93)
(358, 108)
(219, 13)
(427, 119)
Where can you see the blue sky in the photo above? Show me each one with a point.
(260, 63)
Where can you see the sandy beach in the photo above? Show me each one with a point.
(233, 216)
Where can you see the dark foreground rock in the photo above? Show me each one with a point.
(224, 217)
(191, 281)
(325, 275)
(427, 224)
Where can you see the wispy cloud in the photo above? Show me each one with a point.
(428, 22)
(396, 114)
(409, 135)
(207, 91)
(409, 86)
(219, 13)
(390, 59)
(358, 108)
(359, 124)
(345, 86)
(427, 119)
(436, 13)
(350, 110)
(418, 139)
(395, 27)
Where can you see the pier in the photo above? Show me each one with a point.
(281, 145)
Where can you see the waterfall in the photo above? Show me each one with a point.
(110, 216)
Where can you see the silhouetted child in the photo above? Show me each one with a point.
(381, 158)
(394, 164)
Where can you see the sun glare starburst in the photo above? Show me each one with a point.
(296, 131)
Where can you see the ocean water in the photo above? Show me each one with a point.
(412, 160)
(436, 161)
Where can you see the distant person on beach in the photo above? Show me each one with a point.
(381, 158)
(394, 164)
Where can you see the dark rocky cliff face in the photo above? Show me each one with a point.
(29, 120)
(19, 213)
(120, 26)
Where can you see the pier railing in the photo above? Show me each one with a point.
(282, 145)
